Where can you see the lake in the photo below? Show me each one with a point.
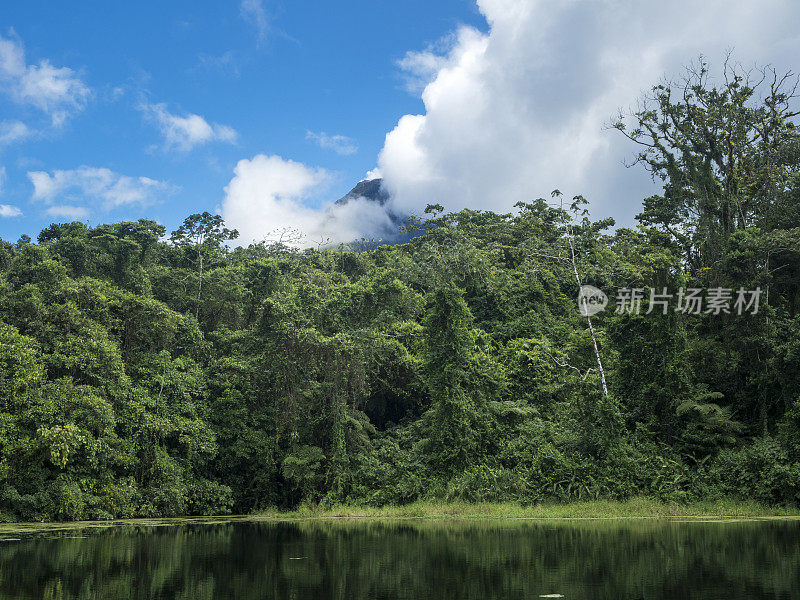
(439, 559)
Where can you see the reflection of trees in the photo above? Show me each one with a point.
(409, 560)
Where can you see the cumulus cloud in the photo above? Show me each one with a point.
(514, 112)
(186, 132)
(92, 187)
(255, 13)
(269, 195)
(340, 144)
(57, 91)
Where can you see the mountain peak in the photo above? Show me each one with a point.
(371, 189)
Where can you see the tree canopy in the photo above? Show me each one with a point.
(145, 376)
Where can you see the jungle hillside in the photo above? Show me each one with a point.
(146, 372)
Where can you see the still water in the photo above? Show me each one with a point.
(406, 559)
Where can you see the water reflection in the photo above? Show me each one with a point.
(414, 560)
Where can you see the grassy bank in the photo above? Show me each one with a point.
(636, 508)
(596, 509)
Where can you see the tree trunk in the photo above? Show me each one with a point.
(199, 287)
(588, 318)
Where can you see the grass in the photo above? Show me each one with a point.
(433, 512)
(635, 508)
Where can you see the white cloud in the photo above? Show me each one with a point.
(373, 174)
(340, 144)
(93, 187)
(13, 131)
(2, 178)
(68, 212)
(420, 68)
(186, 132)
(267, 196)
(254, 12)
(513, 113)
(57, 91)
(8, 211)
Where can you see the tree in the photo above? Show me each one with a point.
(203, 234)
(456, 416)
(576, 204)
(724, 152)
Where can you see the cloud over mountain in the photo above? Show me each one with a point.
(265, 200)
(520, 110)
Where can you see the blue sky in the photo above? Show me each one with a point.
(310, 66)
(268, 110)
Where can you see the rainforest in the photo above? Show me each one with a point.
(149, 373)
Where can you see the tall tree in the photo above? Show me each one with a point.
(456, 417)
(203, 233)
(724, 152)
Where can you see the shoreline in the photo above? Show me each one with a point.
(637, 509)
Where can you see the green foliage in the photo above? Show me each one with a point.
(760, 471)
(303, 467)
(457, 418)
(140, 377)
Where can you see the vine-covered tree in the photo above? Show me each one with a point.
(203, 234)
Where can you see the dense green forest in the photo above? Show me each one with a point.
(143, 374)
